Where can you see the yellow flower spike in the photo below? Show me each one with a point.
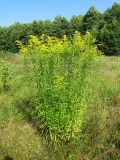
(49, 41)
(33, 40)
(65, 39)
(19, 44)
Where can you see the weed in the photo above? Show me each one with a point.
(59, 71)
(5, 75)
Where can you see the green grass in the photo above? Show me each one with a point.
(99, 136)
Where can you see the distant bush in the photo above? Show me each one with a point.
(59, 70)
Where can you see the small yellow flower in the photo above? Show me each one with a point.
(59, 78)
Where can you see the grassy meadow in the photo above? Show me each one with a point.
(20, 136)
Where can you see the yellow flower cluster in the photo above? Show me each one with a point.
(47, 46)
(59, 79)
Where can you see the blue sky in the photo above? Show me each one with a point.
(28, 10)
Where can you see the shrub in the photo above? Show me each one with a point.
(59, 70)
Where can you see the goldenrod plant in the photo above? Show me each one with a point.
(58, 71)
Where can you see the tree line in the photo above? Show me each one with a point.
(104, 26)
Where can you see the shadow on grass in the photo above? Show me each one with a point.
(8, 158)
